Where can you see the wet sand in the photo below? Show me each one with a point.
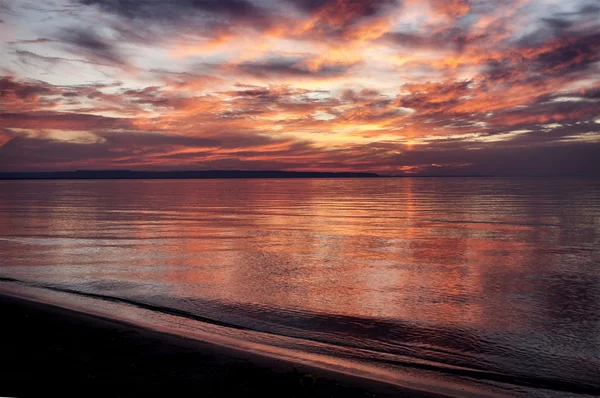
(51, 351)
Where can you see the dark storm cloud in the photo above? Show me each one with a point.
(573, 56)
(578, 52)
(61, 120)
(358, 8)
(174, 9)
(562, 24)
(272, 93)
(200, 17)
(408, 39)
(149, 22)
(92, 45)
(289, 68)
(557, 24)
(22, 90)
(285, 69)
(21, 96)
(591, 92)
(454, 38)
(503, 70)
(569, 41)
(309, 5)
(333, 20)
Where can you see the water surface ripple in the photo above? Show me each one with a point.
(488, 283)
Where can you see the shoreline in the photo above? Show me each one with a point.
(49, 349)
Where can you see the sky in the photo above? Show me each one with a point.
(398, 87)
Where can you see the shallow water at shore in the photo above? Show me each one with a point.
(492, 285)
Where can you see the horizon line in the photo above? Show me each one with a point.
(83, 174)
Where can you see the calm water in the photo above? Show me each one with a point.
(479, 286)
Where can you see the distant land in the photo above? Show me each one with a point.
(131, 174)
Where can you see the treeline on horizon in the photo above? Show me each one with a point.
(131, 174)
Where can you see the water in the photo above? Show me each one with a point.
(463, 286)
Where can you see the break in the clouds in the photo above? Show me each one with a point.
(390, 86)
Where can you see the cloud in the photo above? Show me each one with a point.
(454, 38)
(205, 18)
(451, 8)
(35, 149)
(343, 18)
(433, 96)
(356, 8)
(33, 41)
(92, 46)
(61, 121)
(47, 63)
(455, 86)
(574, 53)
(11, 89)
(290, 68)
(554, 160)
(174, 9)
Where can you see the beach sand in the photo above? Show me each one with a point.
(51, 351)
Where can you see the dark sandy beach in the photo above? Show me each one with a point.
(51, 351)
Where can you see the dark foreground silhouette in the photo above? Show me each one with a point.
(50, 351)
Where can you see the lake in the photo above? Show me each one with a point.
(481, 286)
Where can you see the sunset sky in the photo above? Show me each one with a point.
(507, 87)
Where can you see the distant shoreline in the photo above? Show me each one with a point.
(198, 174)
